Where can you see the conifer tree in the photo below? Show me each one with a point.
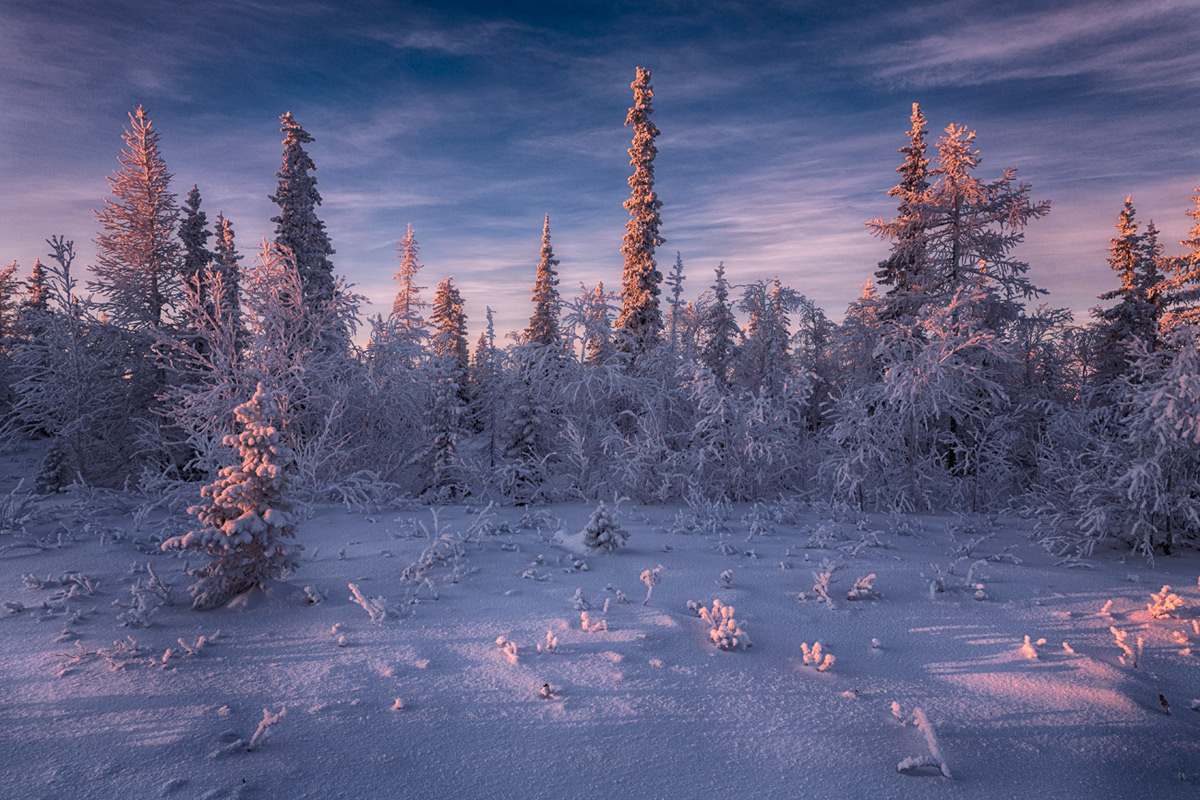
(898, 270)
(543, 328)
(194, 235)
(408, 306)
(137, 267)
(225, 258)
(719, 331)
(675, 280)
(37, 291)
(247, 514)
(639, 325)
(597, 326)
(449, 320)
(1135, 314)
(1181, 299)
(448, 375)
(298, 229)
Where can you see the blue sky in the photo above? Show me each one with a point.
(780, 124)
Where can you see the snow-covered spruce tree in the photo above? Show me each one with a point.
(299, 230)
(764, 363)
(933, 433)
(247, 512)
(718, 331)
(407, 321)
(898, 271)
(543, 328)
(194, 235)
(639, 325)
(1134, 317)
(602, 531)
(484, 411)
(675, 280)
(225, 264)
(965, 230)
(590, 318)
(137, 258)
(1182, 295)
(70, 384)
(448, 373)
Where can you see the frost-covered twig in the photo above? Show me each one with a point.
(935, 758)
(817, 656)
(1131, 654)
(1164, 604)
(377, 608)
(651, 577)
(862, 588)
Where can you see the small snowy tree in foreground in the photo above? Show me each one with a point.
(246, 515)
(603, 531)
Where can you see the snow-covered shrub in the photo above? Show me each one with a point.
(724, 631)
(1164, 603)
(817, 656)
(592, 625)
(247, 515)
(1029, 648)
(551, 644)
(862, 588)
(378, 608)
(651, 577)
(822, 579)
(508, 648)
(1130, 653)
(602, 531)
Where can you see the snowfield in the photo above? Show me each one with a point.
(461, 666)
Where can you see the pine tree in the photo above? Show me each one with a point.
(961, 232)
(1181, 294)
(37, 292)
(543, 326)
(898, 270)
(247, 514)
(764, 361)
(719, 331)
(8, 306)
(137, 267)
(407, 306)
(449, 320)
(675, 280)
(225, 258)
(639, 324)
(1134, 317)
(448, 375)
(194, 235)
(596, 321)
(297, 228)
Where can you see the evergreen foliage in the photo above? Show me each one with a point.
(639, 325)
(137, 259)
(543, 328)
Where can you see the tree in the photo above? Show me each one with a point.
(639, 324)
(543, 326)
(137, 267)
(675, 280)
(247, 514)
(898, 270)
(407, 306)
(194, 235)
(764, 361)
(1134, 317)
(960, 231)
(1181, 299)
(225, 258)
(719, 331)
(449, 320)
(298, 229)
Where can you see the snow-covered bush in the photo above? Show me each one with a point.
(935, 758)
(247, 514)
(817, 656)
(1131, 653)
(651, 577)
(1164, 603)
(724, 631)
(602, 531)
(862, 588)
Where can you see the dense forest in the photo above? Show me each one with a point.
(178, 366)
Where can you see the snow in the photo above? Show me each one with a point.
(415, 699)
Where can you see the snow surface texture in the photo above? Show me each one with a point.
(381, 690)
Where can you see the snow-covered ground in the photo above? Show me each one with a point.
(445, 697)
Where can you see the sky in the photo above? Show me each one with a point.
(780, 124)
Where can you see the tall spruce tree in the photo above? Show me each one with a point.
(675, 280)
(137, 260)
(408, 306)
(225, 265)
(898, 270)
(1135, 315)
(544, 326)
(1181, 299)
(639, 325)
(298, 229)
(719, 331)
(194, 235)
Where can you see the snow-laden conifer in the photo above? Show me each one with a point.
(639, 325)
(194, 235)
(898, 271)
(675, 280)
(247, 512)
(298, 229)
(719, 331)
(137, 258)
(543, 328)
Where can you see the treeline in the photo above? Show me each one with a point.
(943, 388)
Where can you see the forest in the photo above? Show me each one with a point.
(950, 384)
